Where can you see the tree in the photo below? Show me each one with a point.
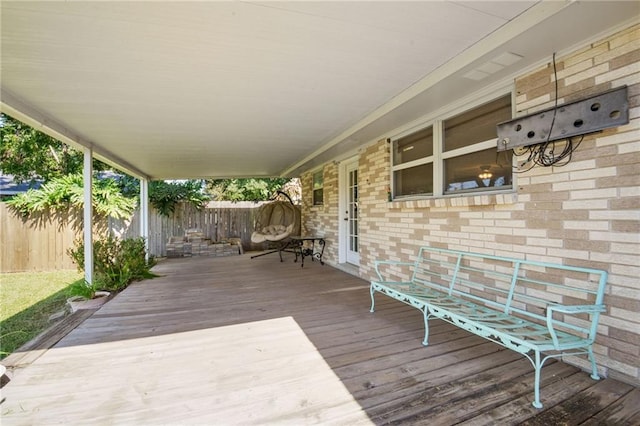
(30, 155)
(252, 189)
(164, 196)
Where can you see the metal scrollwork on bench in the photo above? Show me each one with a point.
(466, 298)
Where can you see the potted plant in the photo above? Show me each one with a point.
(86, 296)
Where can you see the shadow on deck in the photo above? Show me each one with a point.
(237, 341)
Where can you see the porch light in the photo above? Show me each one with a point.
(486, 174)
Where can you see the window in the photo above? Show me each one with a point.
(467, 160)
(318, 188)
(413, 161)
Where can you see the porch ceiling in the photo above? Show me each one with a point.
(222, 89)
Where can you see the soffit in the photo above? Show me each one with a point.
(212, 89)
(222, 89)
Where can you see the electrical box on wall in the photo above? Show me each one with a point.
(608, 109)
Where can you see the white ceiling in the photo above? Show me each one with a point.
(223, 89)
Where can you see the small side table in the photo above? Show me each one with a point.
(309, 249)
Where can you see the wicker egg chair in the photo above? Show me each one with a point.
(275, 223)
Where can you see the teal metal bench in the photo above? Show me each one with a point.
(541, 310)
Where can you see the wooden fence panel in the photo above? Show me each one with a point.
(35, 244)
(41, 244)
(216, 224)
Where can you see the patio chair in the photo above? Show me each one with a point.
(275, 223)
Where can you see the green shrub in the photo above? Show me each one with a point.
(116, 262)
(83, 289)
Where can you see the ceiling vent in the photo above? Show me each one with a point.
(493, 66)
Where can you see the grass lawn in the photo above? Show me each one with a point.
(28, 299)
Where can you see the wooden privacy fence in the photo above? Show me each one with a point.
(41, 243)
(217, 224)
(35, 244)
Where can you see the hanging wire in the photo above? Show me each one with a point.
(545, 153)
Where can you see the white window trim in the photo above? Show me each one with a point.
(414, 163)
(470, 149)
(438, 172)
(436, 120)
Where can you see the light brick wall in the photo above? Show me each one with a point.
(586, 213)
(322, 220)
(378, 239)
(598, 217)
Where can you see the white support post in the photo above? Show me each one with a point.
(144, 214)
(87, 174)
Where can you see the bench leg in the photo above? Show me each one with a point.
(373, 301)
(425, 342)
(536, 385)
(594, 369)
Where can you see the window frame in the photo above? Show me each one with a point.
(314, 190)
(437, 121)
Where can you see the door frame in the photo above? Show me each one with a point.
(343, 226)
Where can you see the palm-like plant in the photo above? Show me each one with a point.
(66, 192)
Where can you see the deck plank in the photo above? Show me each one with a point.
(239, 341)
(37, 346)
(462, 399)
(582, 405)
(624, 411)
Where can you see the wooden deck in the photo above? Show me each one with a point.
(232, 341)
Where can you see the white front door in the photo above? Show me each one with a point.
(349, 213)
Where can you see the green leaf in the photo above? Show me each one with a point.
(67, 191)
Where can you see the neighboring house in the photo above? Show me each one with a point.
(9, 188)
(402, 191)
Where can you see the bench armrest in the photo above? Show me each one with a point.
(569, 309)
(377, 264)
(576, 309)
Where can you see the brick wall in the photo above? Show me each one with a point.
(322, 220)
(586, 213)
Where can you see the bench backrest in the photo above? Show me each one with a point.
(515, 286)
